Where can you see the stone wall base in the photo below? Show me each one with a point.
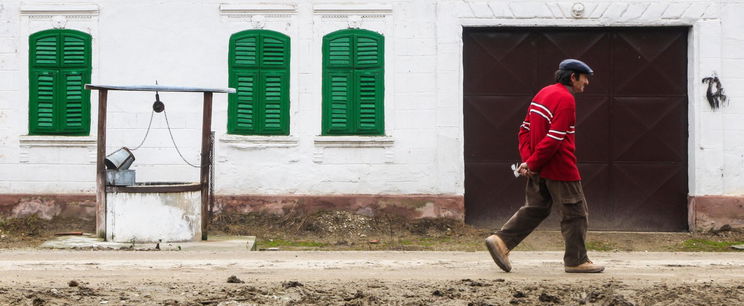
(410, 206)
(705, 212)
(48, 206)
(713, 212)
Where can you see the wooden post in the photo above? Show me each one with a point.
(100, 167)
(205, 162)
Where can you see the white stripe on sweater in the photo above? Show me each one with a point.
(543, 107)
(541, 114)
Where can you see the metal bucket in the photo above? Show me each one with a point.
(119, 160)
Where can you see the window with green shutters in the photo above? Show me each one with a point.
(353, 83)
(59, 67)
(259, 71)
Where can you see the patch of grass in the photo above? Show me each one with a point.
(599, 246)
(30, 226)
(442, 243)
(704, 245)
(278, 243)
(403, 242)
(427, 242)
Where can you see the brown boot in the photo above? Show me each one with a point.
(499, 252)
(587, 267)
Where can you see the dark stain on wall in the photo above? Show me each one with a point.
(716, 98)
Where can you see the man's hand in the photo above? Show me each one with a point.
(524, 170)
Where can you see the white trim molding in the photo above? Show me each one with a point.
(60, 9)
(248, 142)
(383, 142)
(639, 12)
(261, 11)
(57, 141)
(354, 141)
(257, 9)
(352, 9)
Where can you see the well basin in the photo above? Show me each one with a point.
(153, 212)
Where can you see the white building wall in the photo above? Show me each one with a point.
(716, 158)
(10, 67)
(732, 71)
(185, 43)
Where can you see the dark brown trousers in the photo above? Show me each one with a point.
(540, 195)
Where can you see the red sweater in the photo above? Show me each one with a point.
(546, 137)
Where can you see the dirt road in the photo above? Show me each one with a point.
(42, 277)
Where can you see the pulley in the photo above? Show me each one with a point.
(158, 105)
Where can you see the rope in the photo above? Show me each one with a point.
(152, 114)
(147, 132)
(174, 141)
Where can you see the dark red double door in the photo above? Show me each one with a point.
(631, 129)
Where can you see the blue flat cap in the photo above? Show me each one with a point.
(575, 65)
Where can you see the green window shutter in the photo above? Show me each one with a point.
(368, 51)
(370, 89)
(338, 102)
(353, 83)
(75, 48)
(244, 51)
(243, 103)
(75, 113)
(276, 102)
(44, 49)
(338, 51)
(59, 67)
(42, 96)
(259, 70)
(274, 51)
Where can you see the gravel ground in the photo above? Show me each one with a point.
(53, 277)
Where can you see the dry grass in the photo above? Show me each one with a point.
(340, 230)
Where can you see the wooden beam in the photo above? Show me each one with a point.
(100, 167)
(205, 162)
(160, 88)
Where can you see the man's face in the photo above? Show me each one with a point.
(579, 84)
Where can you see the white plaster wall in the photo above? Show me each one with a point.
(732, 73)
(153, 217)
(716, 159)
(44, 164)
(185, 43)
(10, 67)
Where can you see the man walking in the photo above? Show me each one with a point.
(547, 145)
